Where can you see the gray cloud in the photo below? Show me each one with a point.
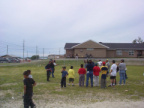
(52, 23)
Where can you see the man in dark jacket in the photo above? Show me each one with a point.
(89, 67)
(48, 69)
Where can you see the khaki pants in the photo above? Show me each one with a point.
(96, 80)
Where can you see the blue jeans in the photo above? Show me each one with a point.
(122, 77)
(89, 75)
(52, 72)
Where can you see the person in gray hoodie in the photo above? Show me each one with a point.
(122, 68)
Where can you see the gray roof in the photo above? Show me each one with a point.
(8, 56)
(134, 46)
(114, 46)
(70, 45)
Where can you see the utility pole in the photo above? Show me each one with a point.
(23, 49)
(36, 52)
(7, 49)
(43, 53)
(27, 54)
(59, 51)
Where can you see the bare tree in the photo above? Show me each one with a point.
(138, 40)
(134, 41)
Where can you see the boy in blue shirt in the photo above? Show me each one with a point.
(64, 74)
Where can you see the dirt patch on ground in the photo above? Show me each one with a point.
(61, 104)
(40, 84)
(8, 84)
(2, 92)
(88, 100)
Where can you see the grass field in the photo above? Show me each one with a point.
(50, 94)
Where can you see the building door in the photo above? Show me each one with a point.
(139, 53)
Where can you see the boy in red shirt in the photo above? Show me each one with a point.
(96, 71)
(82, 73)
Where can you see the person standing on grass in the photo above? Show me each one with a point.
(52, 68)
(108, 65)
(48, 69)
(96, 71)
(54, 63)
(104, 71)
(28, 90)
(82, 73)
(71, 75)
(100, 63)
(64, 75)
(113, 72)
(90, 66)
(85, 63)
(122, 68)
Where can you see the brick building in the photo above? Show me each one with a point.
(94, 49)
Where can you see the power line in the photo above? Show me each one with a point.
(19, 50)
(7, 49)
(23, 49)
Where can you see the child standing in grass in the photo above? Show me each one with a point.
(82, 73)
(64, 75)
(96, 71)
(71, 74)
(48, 69)
(28, 90)
(104, 71)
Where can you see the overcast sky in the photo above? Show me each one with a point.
(52, 23)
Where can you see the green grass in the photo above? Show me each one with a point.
(11, 84)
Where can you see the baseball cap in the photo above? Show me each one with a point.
(103, 63)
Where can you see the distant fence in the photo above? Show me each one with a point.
(128, 61)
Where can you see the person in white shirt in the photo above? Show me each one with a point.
(108, 65)
(113, 72)
(54, 62)
(100, 63)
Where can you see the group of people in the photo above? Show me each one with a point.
(50, 67)
(92, 71)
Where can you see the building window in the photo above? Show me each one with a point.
(131, 52)
(90, 49)
(81, 50)
(119, 52)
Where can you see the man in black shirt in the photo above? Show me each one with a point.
(89, 74)
(28, 90)
(48, 69)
